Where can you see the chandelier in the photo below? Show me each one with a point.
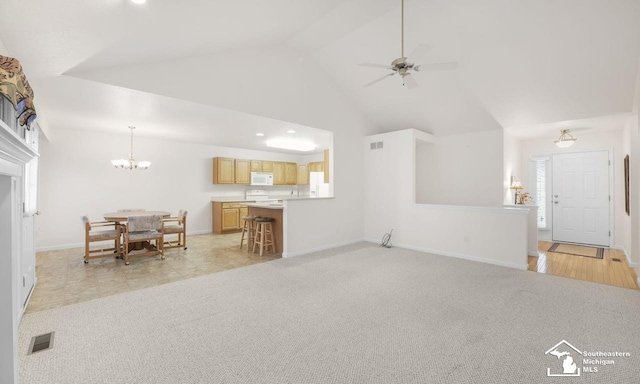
(132, 163)
(566, 139)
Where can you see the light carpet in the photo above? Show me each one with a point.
(360, 314)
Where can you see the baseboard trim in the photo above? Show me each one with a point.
(626, 255)
(26, 303)
(532, 253)
(522, 267)
(81, 245)
(60, 246)
(318, 249)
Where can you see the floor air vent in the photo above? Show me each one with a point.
(618, 260)
(41, 343)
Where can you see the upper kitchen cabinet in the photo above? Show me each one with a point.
(317, 166)
(303, 174)
(243, 172)
(326, 165)
(223, 170)
(291, 173)
(279, 176)
(256, 166)
(267, 166)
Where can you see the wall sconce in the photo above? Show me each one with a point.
(515, 184)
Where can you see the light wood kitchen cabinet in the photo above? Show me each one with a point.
(267, 166)
(227, 217)
(303, 174)
(326, 165)
(243, 172)
(317, 166)
(256, 166)
(223, 170)
(290, 173)
(279, 177)
(230, 219)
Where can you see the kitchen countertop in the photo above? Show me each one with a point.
(229, 199)
(242, 199)
(265, 205)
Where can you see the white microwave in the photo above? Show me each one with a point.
(261, 178)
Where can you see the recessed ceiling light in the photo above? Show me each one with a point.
(259, 134)
(291, 131)
(139, 1)
(292, 144)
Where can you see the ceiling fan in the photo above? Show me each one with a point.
(405, 65)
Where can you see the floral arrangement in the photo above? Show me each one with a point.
(524, 198)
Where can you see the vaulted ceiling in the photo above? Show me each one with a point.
(523, 65)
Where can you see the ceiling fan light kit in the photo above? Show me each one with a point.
(405, 65)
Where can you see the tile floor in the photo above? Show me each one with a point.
(64, 279)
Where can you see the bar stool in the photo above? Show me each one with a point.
(264, 235)
(249, 228)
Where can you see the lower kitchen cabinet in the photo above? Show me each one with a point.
(227, 217)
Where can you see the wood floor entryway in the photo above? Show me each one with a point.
(605, 271)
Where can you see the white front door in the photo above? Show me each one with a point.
(581, 197)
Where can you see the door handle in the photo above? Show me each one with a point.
(555, 202)
(556, 196)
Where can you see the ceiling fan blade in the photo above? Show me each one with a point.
(409, 81)
(375, 65)
(380, 79)
(418, 52)
(436, 66)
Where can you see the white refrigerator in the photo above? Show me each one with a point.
(317, 186)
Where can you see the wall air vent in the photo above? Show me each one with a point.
(376, 145)
(373, 145)
(379, 144)
(41, 343)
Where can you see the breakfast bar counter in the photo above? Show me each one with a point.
(273, 211)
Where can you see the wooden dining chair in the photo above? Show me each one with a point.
(146, 230)
(176, 226)
(100, 231)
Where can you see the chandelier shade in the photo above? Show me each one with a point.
(131, 163)
(566, 139)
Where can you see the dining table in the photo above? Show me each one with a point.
(122, 216)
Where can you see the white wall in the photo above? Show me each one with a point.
(634, 179)
(625, 228)
(280, 88)
(76, 177)
(634, 192)
(3, 49)
(512, 166)
(494, 235)
(9, 261)
(464, 169)
(587, 141)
